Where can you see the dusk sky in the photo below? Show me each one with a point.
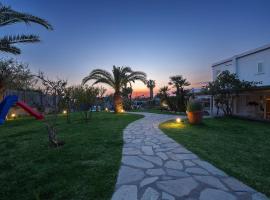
(159, 37)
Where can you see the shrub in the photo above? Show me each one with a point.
(194, 106)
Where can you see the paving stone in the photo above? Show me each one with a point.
(236, 185)
(213, 194)
(131, 151)
(176, 173)
(212, 181)
(179, 187)
(173, 165)
(154, 159)
(150, 194)
(148, 181)
(136, 162)
(170, 145)
(166, 196)
(155, 172)
(128, 174)
(189, 163)
(126, 192)
(166, 178)
(147, 150)
(210, 168)
(197, 170)
(162, 155)
(259, 196)
(181, 150)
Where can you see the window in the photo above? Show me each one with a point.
(260, 68)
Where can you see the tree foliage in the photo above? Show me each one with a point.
(83, 98)
(14, 75)
(226, 86)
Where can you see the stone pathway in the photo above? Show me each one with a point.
(155, 167)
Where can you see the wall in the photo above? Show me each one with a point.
(247, 67)
(222, 67)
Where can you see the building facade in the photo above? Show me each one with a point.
(253, 65)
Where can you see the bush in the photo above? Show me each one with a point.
(194, 106)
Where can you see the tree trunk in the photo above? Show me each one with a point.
(151, 93)
(118, 102)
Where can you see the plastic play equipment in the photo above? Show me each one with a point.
(10, 101)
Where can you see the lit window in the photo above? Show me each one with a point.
(259, 68)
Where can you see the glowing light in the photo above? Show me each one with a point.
(106, 109)
(64, 112)
(122, 111)
(178, 119)
(13, 115)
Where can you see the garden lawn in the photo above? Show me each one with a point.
(239, 147)
(85, 167)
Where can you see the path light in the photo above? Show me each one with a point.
(178, 119)
(106, 109)
(64, 112)
(122, 111)
(13, 115)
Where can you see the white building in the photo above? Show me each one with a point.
(253, 65)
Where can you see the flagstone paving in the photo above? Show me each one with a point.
(155, 167)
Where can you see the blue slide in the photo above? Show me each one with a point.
(5, 105)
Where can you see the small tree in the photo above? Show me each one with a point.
(55, 89)
(224, 88)
(84, 97)
(178, 82)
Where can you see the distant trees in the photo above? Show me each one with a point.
(224, 88)
(178, 82)
(151, 84)
(118, 79)
(8, 16)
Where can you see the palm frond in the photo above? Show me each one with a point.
(6, 47)
(20, 39)
(137, 75)
(100, 76)
(9, 16)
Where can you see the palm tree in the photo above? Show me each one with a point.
(118, 79)
(151, 84)
(8, 16)
(178, 82)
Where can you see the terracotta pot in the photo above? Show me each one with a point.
(195, 117)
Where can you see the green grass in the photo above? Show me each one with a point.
(158, 111)
(85, 167)
(239, 147)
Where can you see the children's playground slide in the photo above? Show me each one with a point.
(10, 101)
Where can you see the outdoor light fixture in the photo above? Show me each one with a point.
(106, 109)
(64, 112)
(178, 119)
(13, 115)
(122, 111)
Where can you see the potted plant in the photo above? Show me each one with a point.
(194, 112)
